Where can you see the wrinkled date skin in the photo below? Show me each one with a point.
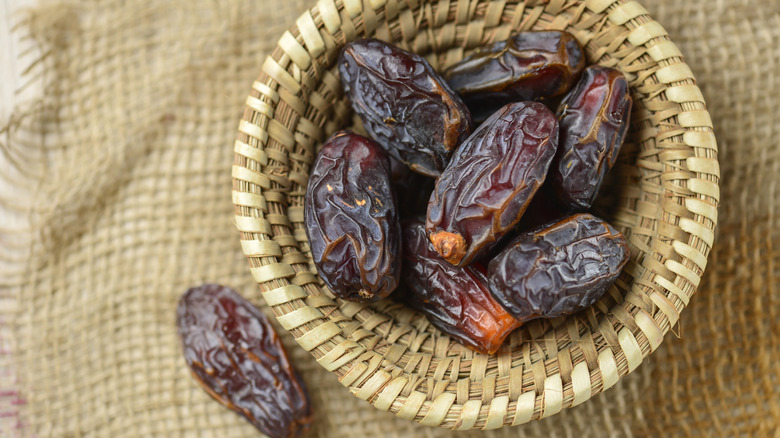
(542, 209)
(351, 219)
(527, 66)
(455, 300)
(404, 104)
(558, 269)
(491, 180)
(234, 353)
(593, 120)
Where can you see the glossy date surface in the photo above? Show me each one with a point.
(557, 269)
(490, 181)
(594, 119)
(234, 353)
(455, 300)
(404, 104)
(351, 219)
(527, 66)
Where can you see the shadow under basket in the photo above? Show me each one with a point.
(663, 196)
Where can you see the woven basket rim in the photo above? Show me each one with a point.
(295, 104)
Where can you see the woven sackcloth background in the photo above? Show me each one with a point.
(121, 200)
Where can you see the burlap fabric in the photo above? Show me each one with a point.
(122, 169)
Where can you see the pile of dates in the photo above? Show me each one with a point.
(469, 189)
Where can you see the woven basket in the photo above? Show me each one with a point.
(663, 197)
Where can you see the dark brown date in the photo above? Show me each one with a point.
(542, 209)
(234, 353)
(351, 219)
(456, 300)
(593, 120)
(490, 181)
(557, 269)
(404, 104)
(527, 66)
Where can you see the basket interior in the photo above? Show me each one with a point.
(662, 195)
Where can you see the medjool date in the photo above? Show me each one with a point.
(456, 300)
(404, 104)
(351, 219)
(235, 354)
(557, 269)
(490, 181)
(593, 120)
(527, 66)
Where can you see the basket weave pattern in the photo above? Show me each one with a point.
(666, 196)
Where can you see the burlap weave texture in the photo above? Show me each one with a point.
(125, 166)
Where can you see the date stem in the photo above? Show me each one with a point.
(451, 246)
